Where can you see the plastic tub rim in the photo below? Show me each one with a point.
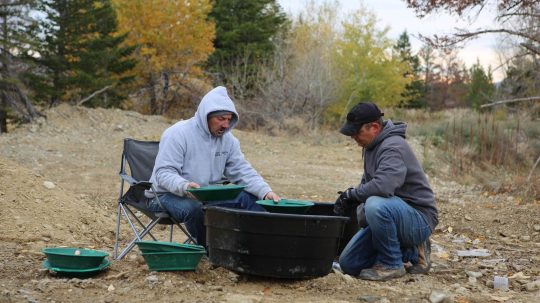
(270, 214)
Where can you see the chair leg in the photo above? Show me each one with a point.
(184, 230)
(117, 236)
(138, 238)
(138, 221)
(170, 236)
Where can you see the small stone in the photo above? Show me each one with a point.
(533, 286)
(437, 296)
(501, 267)
(168, 283)
(525, 238)
(474, 274)
(152, 279)
(519, 275)
(468, 218)
(536, 227)
(234, 277)
(369, 298)
(49, 185)
(111, 288)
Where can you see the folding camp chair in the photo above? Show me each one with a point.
(139, 157)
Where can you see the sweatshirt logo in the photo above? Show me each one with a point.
(221, 154)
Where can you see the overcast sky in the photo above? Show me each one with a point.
(396, 15)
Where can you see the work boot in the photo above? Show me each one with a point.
(381, 273)
(424, 260)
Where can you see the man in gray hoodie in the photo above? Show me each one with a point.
(395, 201)
(201, 151)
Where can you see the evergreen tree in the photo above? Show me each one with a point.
(80, 53)
(414, 95)
(481, 88)
(104, 61)
(244, 31)
(16, 43)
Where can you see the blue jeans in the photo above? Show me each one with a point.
(190, 211)
(395, 229)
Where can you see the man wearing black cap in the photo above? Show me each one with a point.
(201, 151)
(395, 203)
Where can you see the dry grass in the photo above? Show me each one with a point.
(494, 149)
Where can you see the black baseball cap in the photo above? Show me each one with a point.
(360, 114)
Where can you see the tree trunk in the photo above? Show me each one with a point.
(165, 91)
(153, 97)
(3, 116)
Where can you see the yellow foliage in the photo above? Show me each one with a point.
(368, 71)
(170, 35)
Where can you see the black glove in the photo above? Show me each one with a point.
(345, 202)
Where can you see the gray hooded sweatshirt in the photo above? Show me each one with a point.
(189, 153)
(391, 169)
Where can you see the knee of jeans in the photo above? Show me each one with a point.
(344, 263)
(373, 206)
(194, 210)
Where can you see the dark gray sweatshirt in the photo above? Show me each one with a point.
(391, 169)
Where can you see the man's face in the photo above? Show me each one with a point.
(366, 134)
(219, 124)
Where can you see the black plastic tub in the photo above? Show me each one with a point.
(273, 244)
(351, 227)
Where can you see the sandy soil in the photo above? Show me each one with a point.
(59, 185)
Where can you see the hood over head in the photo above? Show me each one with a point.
(216, 100)
(390, 129)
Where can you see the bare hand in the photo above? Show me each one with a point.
(192, 185)
(272, 196)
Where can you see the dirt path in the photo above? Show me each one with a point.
(59, 184)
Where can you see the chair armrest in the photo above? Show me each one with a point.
(133, 182)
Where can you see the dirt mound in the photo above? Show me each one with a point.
(34, 209)
(59, 185)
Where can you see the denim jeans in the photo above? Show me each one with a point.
(190, 211)
(395, 229)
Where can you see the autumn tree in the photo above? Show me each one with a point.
(16, 45)
(428, 67)
(367, 72)
(244, 34)
(446, 78)
(300, 81)
(172, 39)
